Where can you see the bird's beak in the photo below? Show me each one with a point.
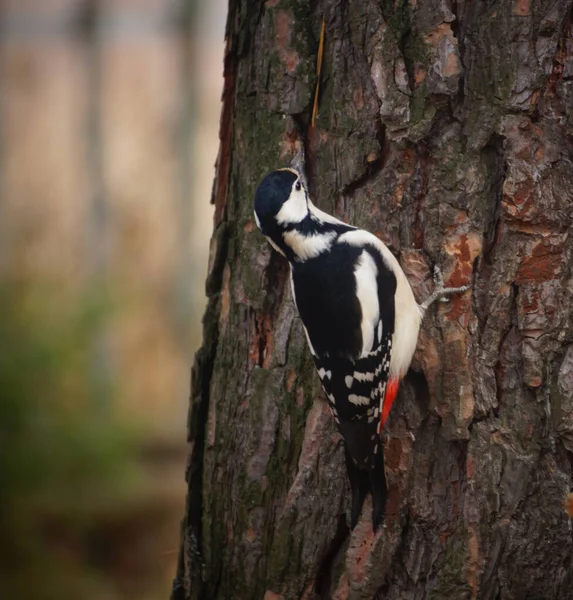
(297, 163)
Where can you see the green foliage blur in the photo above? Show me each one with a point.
(65, 459)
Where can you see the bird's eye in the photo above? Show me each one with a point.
(297, 186)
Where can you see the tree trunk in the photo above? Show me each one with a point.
(446, 128)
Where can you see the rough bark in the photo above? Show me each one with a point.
(447, 129)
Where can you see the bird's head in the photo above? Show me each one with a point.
(281, 202)
(290, 221)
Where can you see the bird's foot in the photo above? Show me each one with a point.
(441, 292)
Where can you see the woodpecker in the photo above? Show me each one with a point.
(359, 315)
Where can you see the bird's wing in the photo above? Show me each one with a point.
(356, 387)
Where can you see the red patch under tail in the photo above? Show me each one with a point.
(389, 397)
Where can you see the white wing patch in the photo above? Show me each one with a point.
(372, 414)
(363, 376)
(408, 316)
(365, 274)
(379, 369)
(364, 400)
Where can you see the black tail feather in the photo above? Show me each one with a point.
(379, 488)
(362, 481)
(359, 485)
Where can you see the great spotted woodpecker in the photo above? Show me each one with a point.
(360, 318)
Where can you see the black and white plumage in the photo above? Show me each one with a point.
(360, 318)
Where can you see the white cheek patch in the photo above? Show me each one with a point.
(308, 246)
(294, 210)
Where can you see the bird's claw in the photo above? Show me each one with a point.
(441, 292)
(438, 277)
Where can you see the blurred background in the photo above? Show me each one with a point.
(109, 115)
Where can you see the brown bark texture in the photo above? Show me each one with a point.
(446, 128)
